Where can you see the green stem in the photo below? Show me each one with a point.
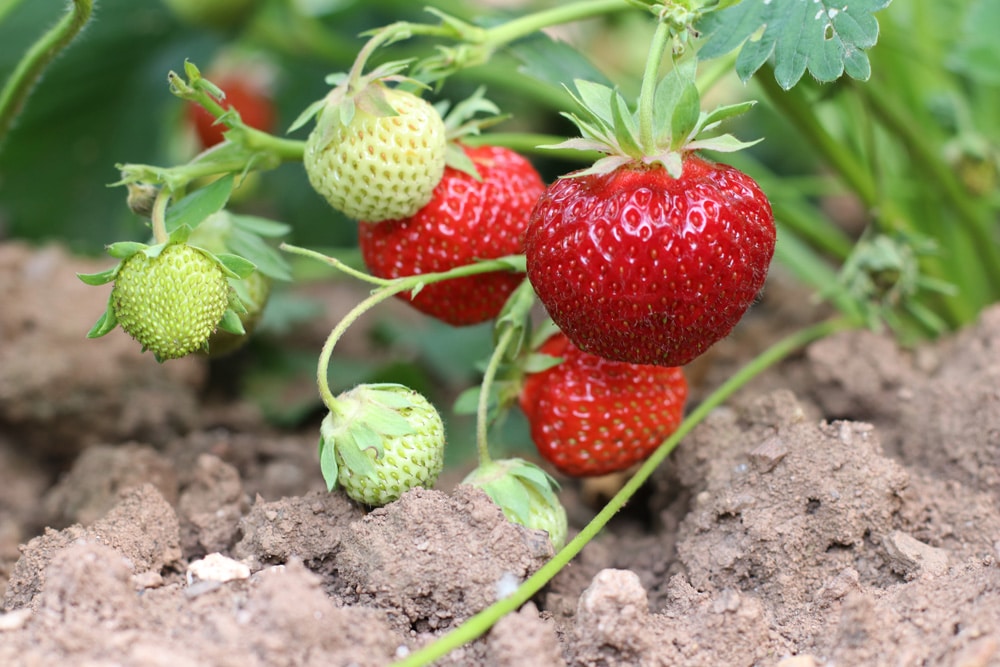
(532, 23)
(482, 409)
(158, 216)
(647, 93)
(15, 92)
(512, 263)
(484, 620)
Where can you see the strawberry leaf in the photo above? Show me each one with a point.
(260, 226)
(826, 37)
(253, 248)
(200, 204)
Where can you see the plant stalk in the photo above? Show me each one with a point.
(15, 92)
(479, 624)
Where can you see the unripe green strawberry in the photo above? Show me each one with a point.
(377, 167)
(172, 302)
(525, 493)
(379, 441)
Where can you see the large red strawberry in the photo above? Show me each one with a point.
(246, 95)
(466, 220)
(592, 416)
(654, 253)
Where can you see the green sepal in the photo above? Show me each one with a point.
(625, 128)
(235, 266)
(106, 324)
(231, 323)
(307, 115)
(355, 459)
(235, 300)
(328, 464)
(178, 235)
(685, 116)
(456, 158)
(537, 362)
(100, 278)
(153, 251)
(125, 249)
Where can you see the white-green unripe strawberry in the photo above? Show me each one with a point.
(171, 302)
(526, 494)
(372, 165)
(379, 441)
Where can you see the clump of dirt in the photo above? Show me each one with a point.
(842, 509)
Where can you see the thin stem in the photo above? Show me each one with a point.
(647, 94)
(484, 620)
(15, 92)
(158, 216)
(482, 409)
(512, 263)
(532, 23)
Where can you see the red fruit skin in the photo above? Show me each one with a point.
(640, 267)
(465, 221)
(248, 98)
(593, 416)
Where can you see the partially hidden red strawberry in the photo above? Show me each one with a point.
(249, 97)
(653, 254)
(592, 416)
(465, 221)
(639, 266)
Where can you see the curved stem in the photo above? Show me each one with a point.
(159, 216)
(647, 94)
(484, 620)
(532, 23)
(15, 92)
(482, 409)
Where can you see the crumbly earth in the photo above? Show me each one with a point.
(842, 510)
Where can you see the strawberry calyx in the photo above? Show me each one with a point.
(655, 132)
(354, 431)
(527, 495)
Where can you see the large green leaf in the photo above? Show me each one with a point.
(826, 37)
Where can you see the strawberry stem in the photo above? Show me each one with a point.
(485, 619)
(647, 94)
(482, 409)
(15, 92)
(158, 216)
(392, 288)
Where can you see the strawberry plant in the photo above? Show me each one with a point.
(605, 254)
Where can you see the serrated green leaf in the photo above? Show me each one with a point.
(100, 278)
(200, 204)
(825, 37)
(328, 464)
(125, 249)
(106, 324)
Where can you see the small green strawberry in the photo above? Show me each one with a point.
(172, 296)
(526, 494)
(379, 441)
(381, 160)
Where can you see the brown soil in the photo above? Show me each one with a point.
(843, 510)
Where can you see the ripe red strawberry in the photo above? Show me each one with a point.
(466, 220)
(592, 416)
(247, 96)
(652, 254)
(638, 266)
